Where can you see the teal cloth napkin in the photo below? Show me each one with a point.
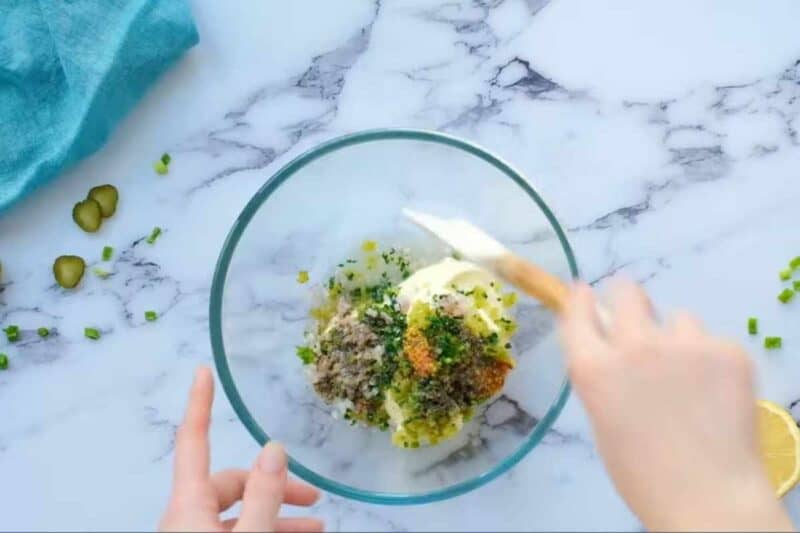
(69, 71)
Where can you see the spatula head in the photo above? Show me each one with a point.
(467, 239)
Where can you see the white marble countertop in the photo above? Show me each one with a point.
(664, 134)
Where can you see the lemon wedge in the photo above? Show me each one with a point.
(779, 438)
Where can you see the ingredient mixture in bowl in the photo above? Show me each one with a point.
(409, 348)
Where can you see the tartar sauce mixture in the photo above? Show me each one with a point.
(406, 349)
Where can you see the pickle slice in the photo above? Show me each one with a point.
(88, 215)
(68, 270)
(107, 196)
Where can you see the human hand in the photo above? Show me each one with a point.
(674, 415)
(198, 497)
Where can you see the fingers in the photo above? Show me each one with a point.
(633, 313)
(300, 493)
(229, 486)
(580, 325)
(191, 441)
(264, 491)
(299, 525)
(285, 525)
(684, 326)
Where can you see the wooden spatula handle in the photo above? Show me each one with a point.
(534, 281)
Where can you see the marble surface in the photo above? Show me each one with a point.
(664, 135)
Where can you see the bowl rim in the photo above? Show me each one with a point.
(218, 285)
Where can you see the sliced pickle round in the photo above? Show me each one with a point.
(107, 196)
(68, 270)
(88, 215)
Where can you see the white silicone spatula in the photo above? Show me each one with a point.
(479, 247)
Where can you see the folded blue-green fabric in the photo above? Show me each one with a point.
(69, 71)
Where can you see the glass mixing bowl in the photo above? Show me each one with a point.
(311, 215)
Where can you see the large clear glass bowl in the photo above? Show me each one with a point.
(310, 216)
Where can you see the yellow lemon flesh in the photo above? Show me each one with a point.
(779, 438)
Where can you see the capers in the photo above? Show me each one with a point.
(68, 270)
(88, 215)
(107, 196)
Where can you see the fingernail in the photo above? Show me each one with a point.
(272, 459)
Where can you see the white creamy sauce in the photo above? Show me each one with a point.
(448, 276)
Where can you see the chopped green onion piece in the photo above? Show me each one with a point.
(772, 343)
(785, 274)
(108, 251)
(150, 316)
(752, 326)
(160, 167)
(154, 235)
(796, 285)
(100, 273)
(3, 361)
(165, 158)
(302, 277)
(794, 264)
(306, 354)
(43, 332)
(786, 295)
(12, 333)
(91, 333)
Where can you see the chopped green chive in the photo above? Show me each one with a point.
(107, 253)
(772, 343)
(154, 235)
(160, 167)
(12, 333)
(786, 295)
(150, 316)
(306, 354)
(796, 285)
(43, 332)
(100, 273)
(165, 158)
(3, 361)
(785, 274)
(302, 277)
(91, 333)
(752, 326)
(794, 264)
